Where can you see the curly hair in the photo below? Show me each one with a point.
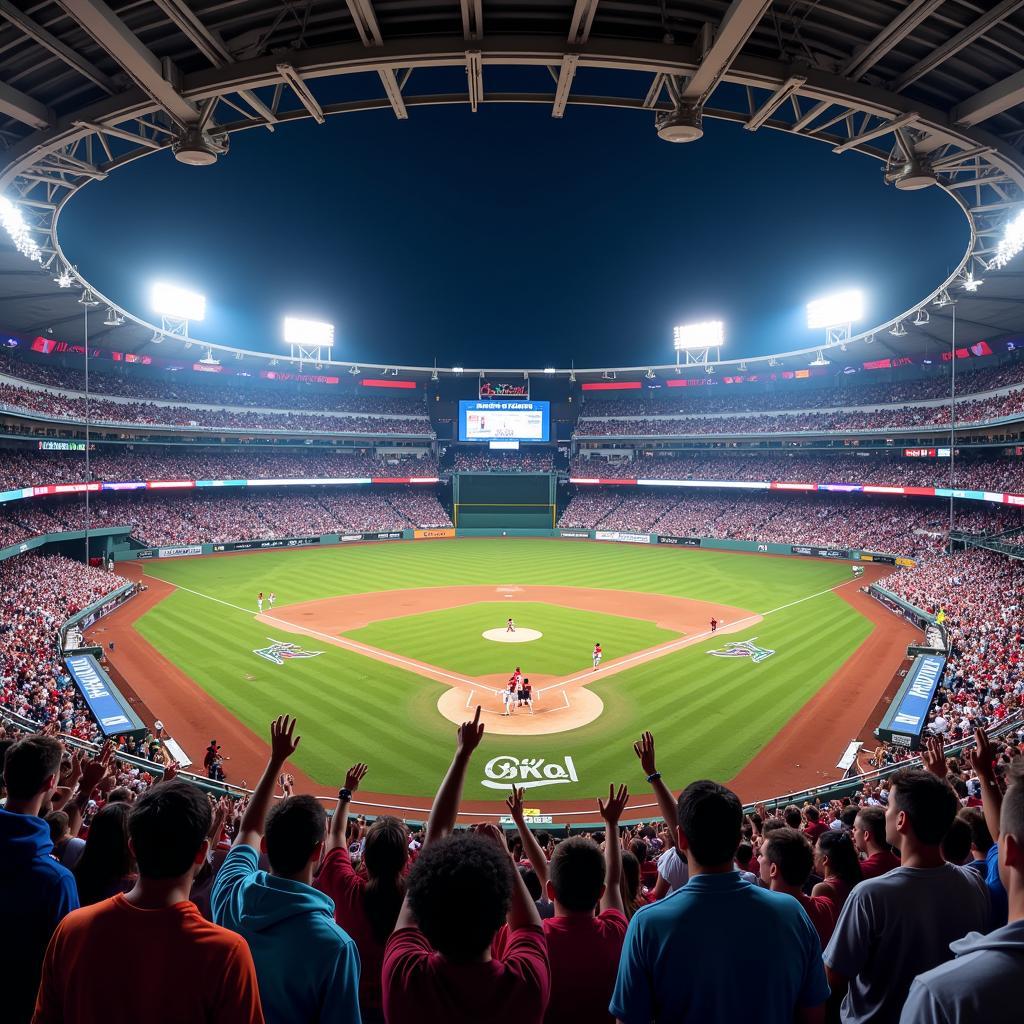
(459, 891)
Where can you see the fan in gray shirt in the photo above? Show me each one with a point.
(898, 925)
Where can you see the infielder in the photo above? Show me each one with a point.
(597, 655)
(259, 600)
(271, 598)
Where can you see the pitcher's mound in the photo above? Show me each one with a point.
(520, 636)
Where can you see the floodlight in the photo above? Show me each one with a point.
(21, 234)
(708, 334)
(178, 303)
(63, 278)
(456, 369)
(683, 124)
(549, 369)
(1011, 243)
(972, 283)
(820, 360)
(835, 310)
(308, 333)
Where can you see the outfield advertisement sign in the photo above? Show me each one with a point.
(112, 712)
(574, 534)
(905, 720)
(821, 552)
(347, 538)
(686, 542)
(259, 545)
(179, 552)
(622, 538)
(433, 534)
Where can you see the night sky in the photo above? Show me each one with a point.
(508, 238)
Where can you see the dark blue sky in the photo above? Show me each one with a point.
(509, 238)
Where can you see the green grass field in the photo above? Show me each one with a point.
(710, 715)
(569, 637)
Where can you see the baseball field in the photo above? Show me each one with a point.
(378, 649)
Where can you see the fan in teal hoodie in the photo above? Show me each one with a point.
(307, 966)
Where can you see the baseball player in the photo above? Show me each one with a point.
(271, 598)
(510, 694)
(526, 694)
(259, 600)
(597, 655)
(714, 625)
(511, 627)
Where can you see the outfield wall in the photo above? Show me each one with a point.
(101, 542)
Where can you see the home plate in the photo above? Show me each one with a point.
(520, 636)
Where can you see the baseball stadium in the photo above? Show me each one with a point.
(437, 503)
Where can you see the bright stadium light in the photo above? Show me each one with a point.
(21, 236)
(834, 310)
(308, 332)
(1011, 243)
(836, 313)
(177, 303)
(696, 341)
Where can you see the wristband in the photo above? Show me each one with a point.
(344, 794)
(653, 776)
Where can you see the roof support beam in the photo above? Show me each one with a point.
(472, 19)
(566, 73)
(475, 78)
(891, 36)
(140, 63)
(23, 108)
(582, 21)
(119, 133)
(953, 46)
(211, 46)
(394, 92)
(989, 102)
(365, 22)
(738, 22)
(50, 42)
(301, 90)
(874, 133)
(777, 98)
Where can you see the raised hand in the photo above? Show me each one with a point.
(644, 749)
(282, 744)
(495, 835)
(470, 734)
(514, 803)
(980, 755)
(171, 772)
(354, 776)
(933, 757)
(611, 810)
(94, 770)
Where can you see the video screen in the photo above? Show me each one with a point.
(504, 421)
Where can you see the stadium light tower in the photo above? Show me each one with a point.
(695, 341)
(836, 314)
(308, 339)
(177, 308)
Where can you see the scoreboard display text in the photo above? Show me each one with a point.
(512, 420)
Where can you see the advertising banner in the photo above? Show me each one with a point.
(433, 534)
(112, 712)
(687, 542)
(904, 722)
(575, 534)
(821, 552)
(260, 545)
(622, 538)
(180, 552)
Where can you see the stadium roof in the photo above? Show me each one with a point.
(927, 87)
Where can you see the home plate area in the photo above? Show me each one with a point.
(504, 635)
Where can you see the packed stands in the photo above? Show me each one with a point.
(487, 461)
(67, 406)
(997, 474)
(26, 468)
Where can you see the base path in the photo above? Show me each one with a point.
(561, 703)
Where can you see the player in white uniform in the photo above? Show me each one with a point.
(511, 627)
(510, 694)
(597, 655)
(271, 598)
(259, 600)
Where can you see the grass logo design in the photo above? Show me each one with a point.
(280, 651)
(744, 649)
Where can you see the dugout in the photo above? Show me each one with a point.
(504, 501)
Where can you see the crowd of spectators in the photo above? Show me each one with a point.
(805, 394)
(21, 467)
(902, 902)
(37, 594)
(524, 460)
(899, 526)
(187, 386)
(996, 474)
(896, 417)
(67, 406)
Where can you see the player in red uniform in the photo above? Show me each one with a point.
(714, 625)
(526, 694)
(511, 694)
